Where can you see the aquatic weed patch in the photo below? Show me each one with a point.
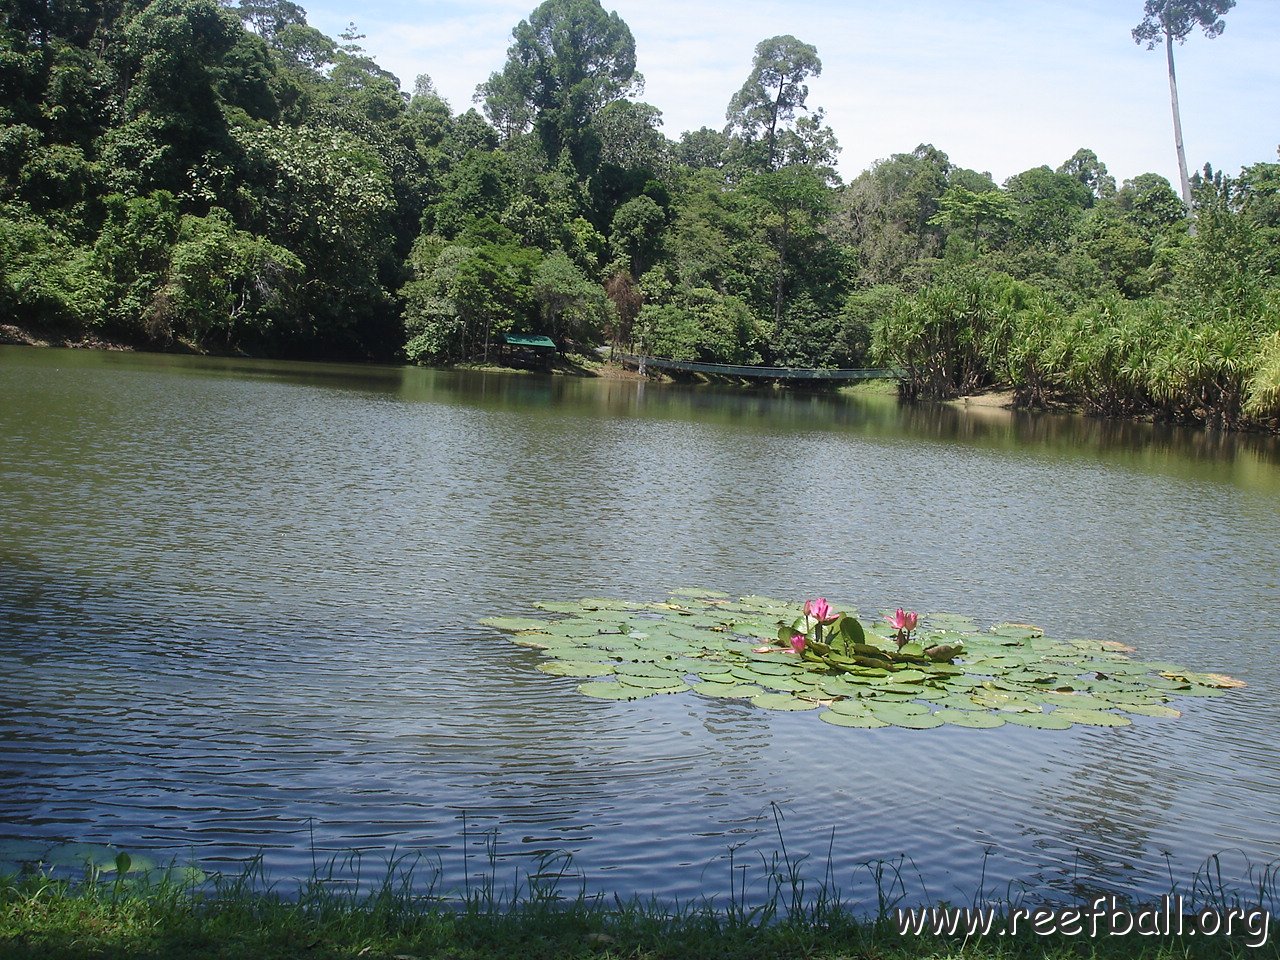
(900, 669)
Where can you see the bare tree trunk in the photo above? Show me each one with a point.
(773, 120)
(1177, 121)
(779, 280)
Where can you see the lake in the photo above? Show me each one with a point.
(239, 606)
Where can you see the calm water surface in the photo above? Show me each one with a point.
(238, 606)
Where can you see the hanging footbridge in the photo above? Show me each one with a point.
(762, 373)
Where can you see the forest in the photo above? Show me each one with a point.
(180, 173)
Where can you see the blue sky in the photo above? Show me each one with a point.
(1000, 85)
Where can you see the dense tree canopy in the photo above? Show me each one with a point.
(230, 178)
(568, 61)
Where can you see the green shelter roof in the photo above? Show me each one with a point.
(525, 340)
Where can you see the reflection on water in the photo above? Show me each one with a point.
(238, 604)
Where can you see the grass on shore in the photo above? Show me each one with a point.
(109, 916)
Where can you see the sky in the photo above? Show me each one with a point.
(999, 85)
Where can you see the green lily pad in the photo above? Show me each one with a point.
(784, 684)
(866, 672)
(1016, 631)
(860, 721)
(891, 698)
(719, 676)
(785, 665)
(559, 606)
(1093, 718)
(132, 863)
(851, 707)
(1198, 691)
(907, 690)
(781, 701)
(970, 718)
(1040, 721)
(768, 604)
(958, 702)
(536, 641)
(909, 676)
(841, 687)
(949, 621)
(574, 628)
(994, 700)
(604, 603)
(24, 851)
(82, 854)
(575, 668)
(605, 690)
(581, 655)
(664, 682)
(907, 709)
(1074, 701)
(646, 668)
(756, 630)
(1162, 682)
(735, 691)
(1138, 698)
(921, 721)
(515, 623)
(1151, 710)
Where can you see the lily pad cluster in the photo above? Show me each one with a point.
(952, 672)
(21, 856)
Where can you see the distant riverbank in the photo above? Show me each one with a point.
(993, 400)
(29, 336)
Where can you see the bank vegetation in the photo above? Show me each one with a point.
(229, 178)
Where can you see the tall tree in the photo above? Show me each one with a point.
(1085, 166)
(569, 60)
(774, 91)
(1164, 21)
(794, 200)
(630, 138)
(267, 18)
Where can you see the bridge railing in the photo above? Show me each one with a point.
(765, 373)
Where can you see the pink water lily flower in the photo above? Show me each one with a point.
(797, 643)
(820, 610)
(903, 620)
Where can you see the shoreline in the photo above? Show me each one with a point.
(991, 402)
(21, 335)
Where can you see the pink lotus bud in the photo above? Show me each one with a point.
(903, 620)
(797, 643)
(820, 610)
